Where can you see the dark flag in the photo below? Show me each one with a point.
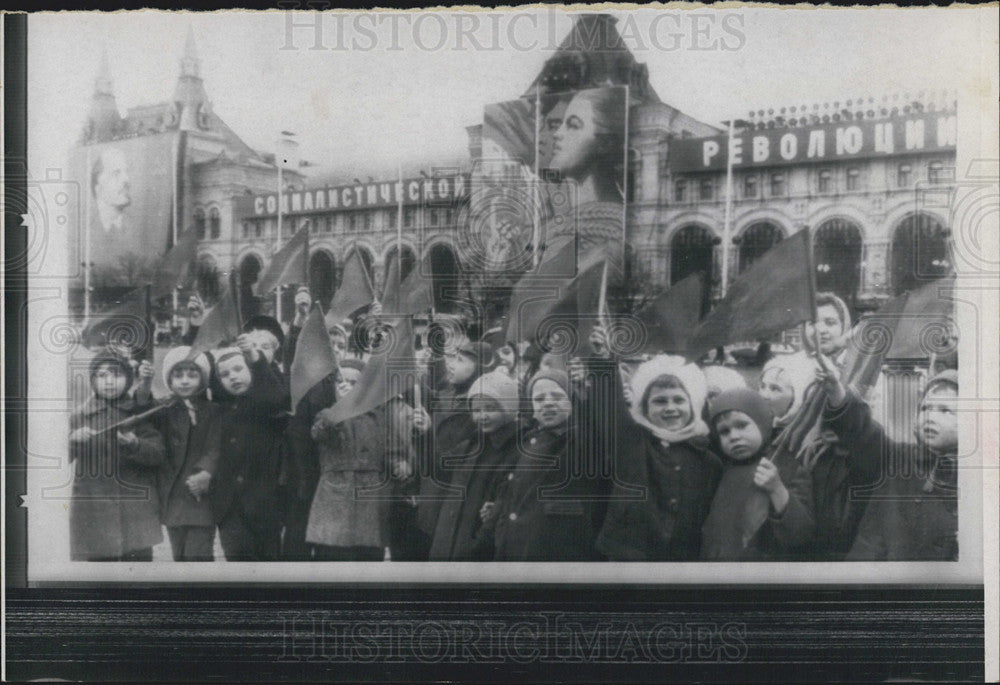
(175, 268)
(314, 359)
(670, 318)
(414, 295)
(126, 323)
(565, 287)
(222, 322)
(775, 294)
(389, 373)
(289, 265)
(924, 320)
(355, 290)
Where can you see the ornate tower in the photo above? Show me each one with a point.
(189, 95)
(103, 119)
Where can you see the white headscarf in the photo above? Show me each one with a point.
(500, 387)
(799, 371)
(693, 380)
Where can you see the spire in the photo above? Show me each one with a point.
(189, 95)
(103, 84)
(190, 64)
(103, 119)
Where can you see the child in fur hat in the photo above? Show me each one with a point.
(665, 473)
(114, 512)
(761, 510)
(190, 430)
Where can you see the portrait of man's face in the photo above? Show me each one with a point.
(111, 181)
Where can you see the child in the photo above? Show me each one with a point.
(114, 513)
(915, 514)
(475, 466)
(344, 523)
(761, 510)
(546, 506)
(784, 381)
(243, 477)
(719, 379)
(665, 474)
(191, 432)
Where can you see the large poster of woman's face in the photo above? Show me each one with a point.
(550, 166)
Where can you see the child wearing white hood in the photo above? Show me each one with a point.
(664, 473)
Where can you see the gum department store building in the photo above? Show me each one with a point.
(866, 176)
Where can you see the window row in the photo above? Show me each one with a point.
(383, 219)
(825, 180)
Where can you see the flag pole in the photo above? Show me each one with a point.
(399, 238)
(625, 170)
(810, 263)
(277, 244)
(150, 326)
(234, 286)
(173, 227)
(536, 183)
(86, 245)
(727, 221)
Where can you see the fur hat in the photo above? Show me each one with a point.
(176, 355)
(748, 402)
(500, 387)
(689, 375)
(265, 323)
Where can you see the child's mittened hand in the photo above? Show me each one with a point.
(82, 434)
(421, 420)
(766, 476)
(127, 439)
(401, 469)
(376, 308)
(198, 483)
(196, 310)
(830, 378)
(145, 371)
(487, 511)
(246, 345)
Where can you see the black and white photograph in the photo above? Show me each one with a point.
(563, 295)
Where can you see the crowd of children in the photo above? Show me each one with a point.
(503, 452)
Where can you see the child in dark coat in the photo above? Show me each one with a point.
(761, 510)
(912, 515)
(114, 513)
(547, 504)
(664, 473)
(243, 477)
(190, 430)
(474, 468)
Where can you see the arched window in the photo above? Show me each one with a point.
(750, 186)
(199, 222)
(837, 255)
(680, 190)
(756, 240)
(214, 223)
(825, 181)
(853, 178)
(322, 277)
(920, 252)
(691, 252)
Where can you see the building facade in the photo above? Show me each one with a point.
(870, 180)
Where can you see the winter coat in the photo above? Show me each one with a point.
(451, 426)
(303, 462)
(246, 468)
(115, 505)
(731, 532)
(546, 510)
(473, 469)
(844, 466)
(187, 446)
(911, 515)
(660, 496)
(350, 509)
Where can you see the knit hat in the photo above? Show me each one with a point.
(693, 380)
(177, 355)
(799, 371)
(947, 377)
(109, 356)
(557, 376)
(265, 323)
(500, 387)
(719, 379)
(748, 402)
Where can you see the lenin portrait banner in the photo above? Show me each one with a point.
(127, 199)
